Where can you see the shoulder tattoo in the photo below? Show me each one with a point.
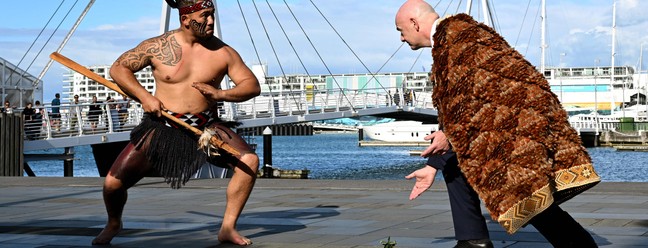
(164, 48)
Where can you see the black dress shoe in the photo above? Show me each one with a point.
(479, 243)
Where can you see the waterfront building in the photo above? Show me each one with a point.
(77, 84)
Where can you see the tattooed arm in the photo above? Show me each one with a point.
(136, 59)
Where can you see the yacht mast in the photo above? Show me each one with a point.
(488, 17)
(640, 76)
(612, 102)
(543, 46)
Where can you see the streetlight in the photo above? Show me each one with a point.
(596, 119)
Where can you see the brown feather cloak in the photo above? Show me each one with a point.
(511, 135)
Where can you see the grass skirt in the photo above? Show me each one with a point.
(171, 151)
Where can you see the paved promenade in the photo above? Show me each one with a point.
(286, 213)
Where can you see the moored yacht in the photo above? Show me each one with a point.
(400, 131)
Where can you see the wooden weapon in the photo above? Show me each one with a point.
(86, 72)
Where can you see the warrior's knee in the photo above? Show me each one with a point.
(113, 185)
(251, 160)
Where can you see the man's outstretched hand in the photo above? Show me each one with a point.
(439, 146)
(424, 180)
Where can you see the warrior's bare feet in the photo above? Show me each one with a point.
(232, 236)
(107, 234)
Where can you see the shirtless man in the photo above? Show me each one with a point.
(188, 65)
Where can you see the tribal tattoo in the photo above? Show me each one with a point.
(199, 28)
(164, 48)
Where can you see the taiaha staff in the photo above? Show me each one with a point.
(213, 140)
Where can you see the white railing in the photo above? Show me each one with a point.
(76, 120)
(270, 105)
(603, 122)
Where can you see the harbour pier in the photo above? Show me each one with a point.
(69, 212)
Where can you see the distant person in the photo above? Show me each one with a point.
(188, 65)
(510, 134)
(94, 111)
(388, 98)
(74, 113)
(38, 117)
(6, 108)
(28, 118)
(397, 98)
(111, 111)
(55, 116)
(122, 109)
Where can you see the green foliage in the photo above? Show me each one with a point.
(389, 243)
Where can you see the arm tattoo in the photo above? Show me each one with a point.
(164, 48)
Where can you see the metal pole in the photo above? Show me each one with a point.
(612, 102)
(543, 46)
(68, 163)
(267, 152)
(164, 19)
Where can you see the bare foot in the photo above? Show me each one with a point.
(232, 236)
(107, 234)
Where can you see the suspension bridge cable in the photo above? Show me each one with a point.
(373, 76)
(522, 25)
(416, 60)
(532, 28)
(390, 57)
(318, 54)
(495, 20)
(34, 42)
(458, 6)
(288, 38)
(50, 38)
(275, 53)
(256, 51)
(289, 42)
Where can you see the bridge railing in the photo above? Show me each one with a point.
(77, 120)
(269, 105)
(603, 123)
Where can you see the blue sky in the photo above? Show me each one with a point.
(579, 29)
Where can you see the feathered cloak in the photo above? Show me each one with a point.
(511, 135)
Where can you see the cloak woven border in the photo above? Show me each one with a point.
(510, 132)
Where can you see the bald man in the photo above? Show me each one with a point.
(469, 223)
(417, 23)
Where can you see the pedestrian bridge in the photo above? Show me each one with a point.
(75, 128)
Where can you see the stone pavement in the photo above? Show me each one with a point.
(286, 213)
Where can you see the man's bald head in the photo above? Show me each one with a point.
(415, 8)
(414, 20)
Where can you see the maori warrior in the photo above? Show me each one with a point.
(509, 131)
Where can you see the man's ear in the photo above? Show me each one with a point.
(415, 24)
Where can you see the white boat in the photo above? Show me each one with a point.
(400, 131)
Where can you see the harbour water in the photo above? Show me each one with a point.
(338, 156)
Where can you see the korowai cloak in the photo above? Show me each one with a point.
(510, 132)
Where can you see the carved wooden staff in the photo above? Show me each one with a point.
(215, 141)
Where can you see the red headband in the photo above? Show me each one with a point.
(196, 7)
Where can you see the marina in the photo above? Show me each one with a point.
(333, 185)
(337, 156)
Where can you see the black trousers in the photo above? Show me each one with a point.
(561, 230)
(556, 225)
(469, 223)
